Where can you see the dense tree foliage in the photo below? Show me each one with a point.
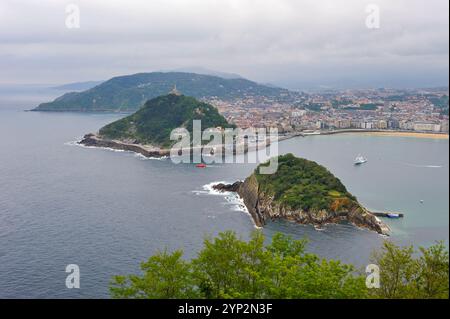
(228, 267)
(339, 103)
(441, 103)
(365, 107)
(370, 106)
(154, 122)
(404, 275)
(303, 184)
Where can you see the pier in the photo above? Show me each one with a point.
(388, 214)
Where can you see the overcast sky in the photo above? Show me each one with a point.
(294, 43)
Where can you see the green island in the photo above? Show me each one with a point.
(148, 130)
(154, 122)
(303, 184)
(228, 267)
(303, 192)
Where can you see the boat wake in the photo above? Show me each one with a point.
(423, 166)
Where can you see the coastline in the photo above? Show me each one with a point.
(262, 208)
(151, 151)
(412, 134)
(393, 133)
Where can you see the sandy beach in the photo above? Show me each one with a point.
(410, 134)
(386, 133)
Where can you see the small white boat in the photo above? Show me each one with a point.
(360, 160)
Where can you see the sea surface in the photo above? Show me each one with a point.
(108, 211)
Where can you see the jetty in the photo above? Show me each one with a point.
(388, 214)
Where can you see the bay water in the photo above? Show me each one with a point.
(108, 211)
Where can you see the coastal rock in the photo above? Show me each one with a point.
(228, 187)
(262, 207)
(93, 140)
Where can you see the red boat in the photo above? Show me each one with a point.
(200, 165)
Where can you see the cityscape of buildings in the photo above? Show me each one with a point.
(421, 110)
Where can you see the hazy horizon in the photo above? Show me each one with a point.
(293, 44)
(318, 88)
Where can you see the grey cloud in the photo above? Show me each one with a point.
(290, 42)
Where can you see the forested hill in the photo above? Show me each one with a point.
(305, 185)
(129, 93)
(154, 122)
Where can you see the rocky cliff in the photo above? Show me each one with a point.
(263, 207)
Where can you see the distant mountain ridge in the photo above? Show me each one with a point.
(129, 93)
(206, 71)
(77, 86)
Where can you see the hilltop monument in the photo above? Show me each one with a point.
(175, 91)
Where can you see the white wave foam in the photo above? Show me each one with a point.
(74, 143)
(232, 199)
(137, 155)
(209, 188)
(319, 228)
(145, 158)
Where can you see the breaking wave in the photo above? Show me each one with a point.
(137, 155)
(233, 200)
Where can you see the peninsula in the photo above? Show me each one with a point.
(148, 130)
(128, 93)
(304, 192)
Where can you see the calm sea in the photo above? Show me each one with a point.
(107, 211)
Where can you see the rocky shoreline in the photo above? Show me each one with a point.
(93, 140)
(263, 208)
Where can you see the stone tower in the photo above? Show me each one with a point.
(175, 91)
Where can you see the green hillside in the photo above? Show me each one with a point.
(302, 184)
(154, 122)
(128, 93)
